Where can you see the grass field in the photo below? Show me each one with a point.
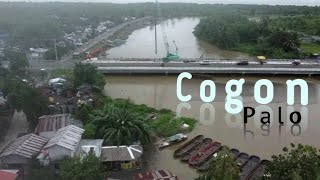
(311, 48)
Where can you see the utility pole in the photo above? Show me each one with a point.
(55, 49)
(155, 28)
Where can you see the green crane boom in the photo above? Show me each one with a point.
(170, 56)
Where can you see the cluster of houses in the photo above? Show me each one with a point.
(59, 136)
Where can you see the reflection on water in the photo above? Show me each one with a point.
(214, 122)
(141, 43)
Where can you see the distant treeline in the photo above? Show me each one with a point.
(34, 22)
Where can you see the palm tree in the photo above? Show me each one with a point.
(119, 126)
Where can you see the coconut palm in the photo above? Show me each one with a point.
(119, 126)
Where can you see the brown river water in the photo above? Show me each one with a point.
(213, 121)
(141, 43)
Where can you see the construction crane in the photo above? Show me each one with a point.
(170, 56)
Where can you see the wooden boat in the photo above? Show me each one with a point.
(234, 153)
(249, 167)
(173, 140)
(259, 171)
(242, 159)
(192, 152)
(204, 154)
(188, 146)
(206, 165)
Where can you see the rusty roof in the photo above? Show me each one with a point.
(55, 122)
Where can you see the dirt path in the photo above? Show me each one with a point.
(19, 124)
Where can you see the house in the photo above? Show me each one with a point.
(7, 174)
(122, 157)
(38, 53)
(48, 125)
(155, 175)
(61, 44)
(87, 145)
(63, 144)
(23, 149)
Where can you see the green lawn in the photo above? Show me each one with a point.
(311, 48)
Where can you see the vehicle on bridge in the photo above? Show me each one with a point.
(243, 63)
(296, 62)
(262, 59)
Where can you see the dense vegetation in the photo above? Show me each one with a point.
(222, 168)
(38, 24)
(301, 162)
(20, 95)
(237, 32)
(88, 167)
(120, 121)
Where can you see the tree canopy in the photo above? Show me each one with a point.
(301, 162)
(119, 126)
(22, 97)
(253, 36)
(18, 61)
(87, 168)
(87, 73)
(222, 168)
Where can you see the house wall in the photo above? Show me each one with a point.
(15, 159)
(57, 153)
(47, 134)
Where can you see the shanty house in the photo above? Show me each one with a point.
(122, 157)
(23, 149)
(48, 125)
(89, 145)
(63, 144)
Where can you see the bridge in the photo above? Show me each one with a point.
(208, 66)
(155, 66)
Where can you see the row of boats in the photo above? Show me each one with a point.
(200, 152)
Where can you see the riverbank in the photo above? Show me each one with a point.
(120, 36)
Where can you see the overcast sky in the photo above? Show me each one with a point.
(270, 2)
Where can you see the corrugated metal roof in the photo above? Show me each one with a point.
(67, 137)
(155, 175)
(55, 122)
(26, 146)
(121, 153)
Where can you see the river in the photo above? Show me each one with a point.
(141, 43)
(213, 120)
(216, 123)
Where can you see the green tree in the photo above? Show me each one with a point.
(87, 168)
(301, 162)
(119, 126)
(38, 171)
(22, 97)
(87, 73)
(89, 131)
(18, 62)
(222, 168)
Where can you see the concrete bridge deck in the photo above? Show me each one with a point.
(307, 67)
(155, 66)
